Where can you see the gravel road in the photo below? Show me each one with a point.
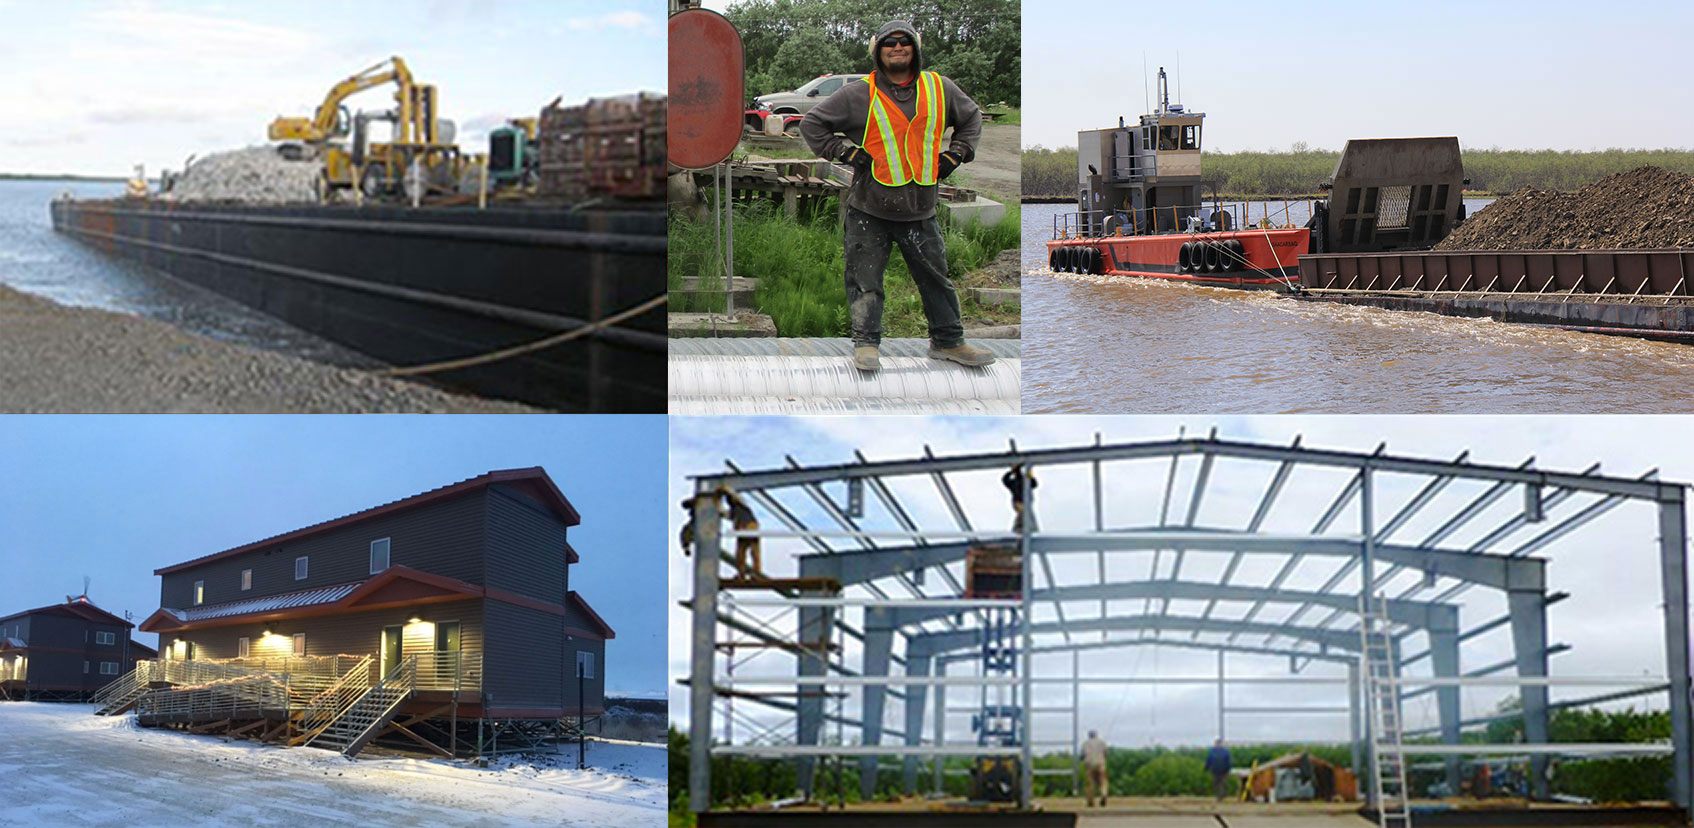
(76, 360)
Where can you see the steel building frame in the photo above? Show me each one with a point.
(938, 624)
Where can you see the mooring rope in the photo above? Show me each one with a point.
(528, 347)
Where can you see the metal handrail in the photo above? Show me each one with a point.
(337, 699)
(449, 670)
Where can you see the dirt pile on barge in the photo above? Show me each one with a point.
(255, 175)
(1647, 207)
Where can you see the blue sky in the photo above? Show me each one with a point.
(1612, 619)
(1518, 75)
(116, 497)
(96, 87)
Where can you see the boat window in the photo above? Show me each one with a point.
(1191, 137)
(1146, 138)
(1167, 137)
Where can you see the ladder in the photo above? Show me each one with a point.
(1382, 694)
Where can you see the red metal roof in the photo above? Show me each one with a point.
(343, 597)
(534, 479)
(592, 615)
(77, 608)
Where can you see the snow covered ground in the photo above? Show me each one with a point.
(62, 765)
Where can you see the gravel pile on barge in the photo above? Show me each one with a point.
(1647, 207)
(255, 175)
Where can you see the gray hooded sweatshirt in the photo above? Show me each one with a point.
(848, 110)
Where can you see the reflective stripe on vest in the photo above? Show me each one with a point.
(915, 142)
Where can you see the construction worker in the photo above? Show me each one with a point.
(1013, 481)
(1094, 767)
(741, 517)
(1218, 764)
(893, 122)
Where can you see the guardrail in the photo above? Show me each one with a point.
(336, 699)
(449, 670)
(223, 698)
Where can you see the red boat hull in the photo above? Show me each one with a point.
(1250, 259)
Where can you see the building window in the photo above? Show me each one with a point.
(85, 668)
(108, 668)
(300, 645)
(246, 579)
(105, 638)
(199, 592)
(379, 555)
(585, 664)
(300, 568)
(241, 647)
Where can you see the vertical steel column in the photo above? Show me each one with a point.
(1076, 719)
(1354, 689)
(1220, 694)
(1528, 612)
(878, 649)
(938, 762)
(1367, 577)
(708, 522)
(1444, 653)
(916, 696)
(816, 630)
(1026, 774)
(1673, 574)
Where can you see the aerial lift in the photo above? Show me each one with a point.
(422, 143)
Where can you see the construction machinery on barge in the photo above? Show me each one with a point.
(1141, 212)
(533, 271)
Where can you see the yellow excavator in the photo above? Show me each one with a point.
(421, 153)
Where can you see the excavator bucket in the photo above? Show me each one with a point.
(1394, 194)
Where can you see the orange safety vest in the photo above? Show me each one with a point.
(905, 150)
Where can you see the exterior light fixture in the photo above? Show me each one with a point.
(414, 620)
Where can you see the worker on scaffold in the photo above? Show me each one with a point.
(742, 518)
(1013, 481)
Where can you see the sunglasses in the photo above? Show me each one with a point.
(896, 40)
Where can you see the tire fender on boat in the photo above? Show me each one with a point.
(1237, 254)
(1185, 258)
(1213, 257)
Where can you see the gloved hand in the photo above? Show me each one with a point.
(857, 157)
(949, 162)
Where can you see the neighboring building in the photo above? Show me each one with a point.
(460, 598)
(65, 652)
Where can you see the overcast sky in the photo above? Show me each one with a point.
(115, 498)
(97, 87)
(1518, 75)
(1612, 621)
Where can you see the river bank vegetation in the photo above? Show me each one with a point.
(1299, 170)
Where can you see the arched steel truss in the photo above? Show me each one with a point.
(937, 624)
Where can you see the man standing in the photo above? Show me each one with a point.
(894, 122)
(1217, 764)
(1094, 767)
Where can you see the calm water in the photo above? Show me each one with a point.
(36, 260)
(1120, 345)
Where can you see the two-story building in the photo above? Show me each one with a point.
(445, 619)
(65, 652)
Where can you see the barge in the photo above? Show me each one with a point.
(475, 295)
(1140, 212)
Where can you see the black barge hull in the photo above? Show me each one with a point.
(417, 286)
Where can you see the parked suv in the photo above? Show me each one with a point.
(801, 100)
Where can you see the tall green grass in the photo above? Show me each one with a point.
(800, 267)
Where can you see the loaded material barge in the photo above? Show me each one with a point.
(419, 286)
(1141, 212)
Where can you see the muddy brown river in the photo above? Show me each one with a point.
(1117, 345)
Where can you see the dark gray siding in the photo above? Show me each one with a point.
(524, 662)
(60, 644)
(526, 547)
(353, 633)
(594, 688)
(443, 537)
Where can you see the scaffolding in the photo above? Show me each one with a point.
(860, 590)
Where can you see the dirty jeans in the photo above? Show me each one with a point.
(868, 239)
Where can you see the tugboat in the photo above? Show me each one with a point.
(1140, 210)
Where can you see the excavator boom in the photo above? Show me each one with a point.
(328, 122)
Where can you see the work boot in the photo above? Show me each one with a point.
(963, 353)
(865, 358)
